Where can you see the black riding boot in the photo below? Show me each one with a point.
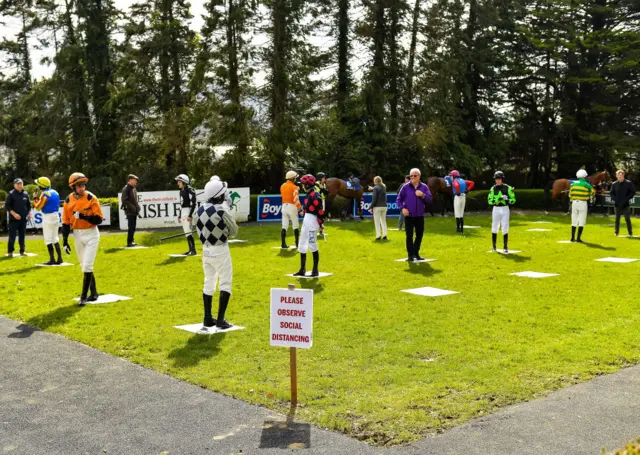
(283, 237)
(208, 319)
(223, 301)
(86, 282)
(573, 233)
(94, 291)
(51, 259)
(316, 260)
(59, 253)
(461, 225)
(494, 239)
(506, 243)
(296, 234)
(579, 239)
(192, 246)
(303, 265)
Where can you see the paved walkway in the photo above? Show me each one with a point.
(61, 397)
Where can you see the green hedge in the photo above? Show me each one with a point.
(525, 200)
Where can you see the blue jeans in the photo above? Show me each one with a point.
(401, 220)
(18, 228)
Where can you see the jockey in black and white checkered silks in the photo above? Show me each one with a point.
(215, 226)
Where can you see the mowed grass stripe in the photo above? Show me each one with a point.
(387, 367)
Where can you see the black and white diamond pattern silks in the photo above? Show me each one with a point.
(214, 225)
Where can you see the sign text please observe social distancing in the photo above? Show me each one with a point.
(292, 318)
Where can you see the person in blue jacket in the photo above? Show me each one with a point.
(48, 201)
(412, 199)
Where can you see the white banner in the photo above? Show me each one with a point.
(292, 318)
(160, 209)
(36, 217)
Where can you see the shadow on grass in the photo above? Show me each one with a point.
(599, 247)
(421, 268)
(172, 260)
(21, 271)
(313, 284)
(288, 253)
(56, 317)
(23, 331)
(516, 257)
(197, 349)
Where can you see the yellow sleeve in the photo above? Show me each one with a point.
(38, 204)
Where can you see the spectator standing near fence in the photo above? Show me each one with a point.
(379, 208)
(131, 208)
(622, 191)
(401, 217)
(18, 206)
(412, 200)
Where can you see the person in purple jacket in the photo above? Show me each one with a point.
(412, 199)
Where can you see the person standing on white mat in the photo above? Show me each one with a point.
(48, 202)
(311, 225)
(214, 226)
(83, 214)
(187, 207)
(412, 200)
(622, 192)
(501, 196)
(290, 208)
(379, 208)
(459, 188)
(580, 192)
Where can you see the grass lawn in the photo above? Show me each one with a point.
(387, 367)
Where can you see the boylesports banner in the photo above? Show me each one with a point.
(36, 217)
(270, 206)
(159, 209)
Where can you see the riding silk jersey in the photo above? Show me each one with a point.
(458, 186)
(313, 205)
(88, 207)
(188, 199)
(497, 195)
(580, 190)
(289, 193)
(48, 202)
(322, 189)
(215, 225)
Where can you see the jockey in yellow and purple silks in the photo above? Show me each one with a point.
(48, 203)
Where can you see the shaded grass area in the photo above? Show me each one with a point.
(387, 367)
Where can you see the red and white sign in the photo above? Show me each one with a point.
(292, 318)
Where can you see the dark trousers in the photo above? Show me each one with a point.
(417, 223)
(626, 211)
(19, 229)
(131, 220)
(400, 220)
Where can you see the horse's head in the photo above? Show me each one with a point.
(600, 177)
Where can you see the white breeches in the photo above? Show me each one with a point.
(579, 211)
(216, 263)
(186, 225)
(308, 235)
(289, 214)
(380, 220)
(87, 241)
(459, 203)
(500, 219)
(50, 223)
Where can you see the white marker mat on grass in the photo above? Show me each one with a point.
(201, 330)
(472, 227)
(538, 230)
(542, 222)
(107, 298)
(308, 275)
(535, 274)
(421, 260)
(291, 247)
(508, 252)
(181, 255)
(237, 241)
(429, 292)
(137, 247)
(565, 241)
(18, 255)
(619, 260)
(394, 229)
(64, 264)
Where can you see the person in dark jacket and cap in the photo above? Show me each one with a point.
(18, 206)
(622, 191)
(131, 207)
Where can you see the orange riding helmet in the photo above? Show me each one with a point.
(77, 178)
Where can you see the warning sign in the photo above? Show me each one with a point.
(292, 318)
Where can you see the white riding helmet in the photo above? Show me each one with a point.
(184, 178)
(215, 177)
(291, 175)
(581, 174)
(214, 189)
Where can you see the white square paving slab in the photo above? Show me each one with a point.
(535, 274)
(618, 260)
(107, 298)
(201, 330)
(429, 291)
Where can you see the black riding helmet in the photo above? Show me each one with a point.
(498, 175)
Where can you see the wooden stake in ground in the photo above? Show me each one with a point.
(293, 361)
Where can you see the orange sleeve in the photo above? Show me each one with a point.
(40, 202)
(95, 207)
(296, 199)
(67, 215)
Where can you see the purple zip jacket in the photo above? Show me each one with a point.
(407, 199)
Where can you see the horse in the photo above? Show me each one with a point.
(438, 186)
(559, 189)
(336, 186)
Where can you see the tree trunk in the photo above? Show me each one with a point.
(407, 126)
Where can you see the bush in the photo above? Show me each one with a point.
(114, 202)
(633, 448)
(525, 200)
